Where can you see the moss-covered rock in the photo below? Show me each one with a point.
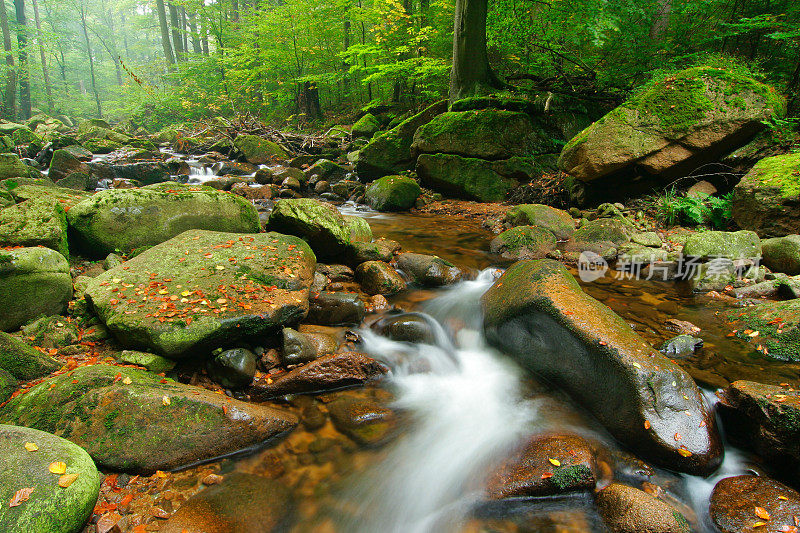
(6, 145)
(556, 221)
(472, 178)
(33, 281)
(428, 270)
(524, 242)
(49, 508)
(64, 163)
(489, 134)
(782, 254)
(135, 421)
(150, 361)
(778, 327)
(376, 277)
(101, 146)
(258, 150)
(366, 126)
(393, 193)
(538, 314)
(731, 245)
(603, 236)
(626, 509)
(26, 136)
(122, 220)
(328, 232)
(23, 361)
(35, 222)
(390, 152)
(767, 199)
(204, 287)
(674, 124)
(12, 167)
(8, 384)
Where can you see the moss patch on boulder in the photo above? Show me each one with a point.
(393, 193)
(767, 199)
(258, 150)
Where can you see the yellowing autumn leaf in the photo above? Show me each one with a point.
(762, 513)
(684, 452)
(20, 496)
(66, 480)
(31, 447)
(165, 400)
(127, 380)
(57, 467)
(555, 462)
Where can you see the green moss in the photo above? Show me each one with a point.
(393, 193)
(781, 172)
(572, 476)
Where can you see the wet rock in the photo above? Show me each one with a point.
(765, 418)
(35, 222)
(723, 244)
(322, 187)
(324, 169)
(234, 168)
(556, 221)
(336, 272)
(233, 369)
(393, 193)
(782, 254)
(290, 183)
(523, 242)
(348, 188)
(123, 220)
(380, 250)
(737, 502)
(765, 199)
(213, 298)
(241, 503)
(770, 328)
(264, 176)
(681, 346)
(49, 508)
(366, 126)
(377, 277)
(625, 509)
(135, 421)
(322, 343)
(329, 372)
(22, 361)
(144, 172)
(363, 420)
(408, 327)
(258, 150)
(33, 282)
(537, 313)
(429, 270)
(545, 465)
(335, 309)
(297, 348)
(647, 238)
(152, 362)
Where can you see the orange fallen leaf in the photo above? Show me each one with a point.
(20, 496)
(762, 513)
(684, 452)
(66, 480)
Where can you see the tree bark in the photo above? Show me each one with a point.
(22, 53)
(184, 32)
(661, 20)
(177, 41)
(91, 61)
(193, 31)
(45, 74)
(10, 100)
(471, 73)
(308, 100)
(162, 22)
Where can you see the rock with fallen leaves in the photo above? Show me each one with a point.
(127, 219)
(766, 419)
(240, 503)
(203, 287)
(22, 360)
(33, 282)
(33, 499)
(757, 504)
(538, 314)
(136, 421)
(771, 328)
(626, 509)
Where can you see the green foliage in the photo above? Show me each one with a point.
(697, 210)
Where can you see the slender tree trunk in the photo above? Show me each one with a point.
(91, 61)
(124, 28)
(235, 10)
(10, 100)
(363, 41)
(471, 73)
(42, 55)
(184, 32)
(204, 38)
(346, 45)
(22, 53)
(661, 20)
(162, 22)
(193, 31)
(177, 42)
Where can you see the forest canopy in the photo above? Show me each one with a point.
(296, 61)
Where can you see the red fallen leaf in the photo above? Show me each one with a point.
(118, 377)
(547, 475)
(20, 496)
(646, 424)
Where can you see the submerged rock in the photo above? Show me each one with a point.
(363, 420)
(393, 193)
(754, 504)
(766, 199)
(626, 509)
(124, 220)
(408, 327)
(135, 421)
(49, 507)
(681, 346)
(227, 286)
(537, 313)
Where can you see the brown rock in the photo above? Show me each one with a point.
(754, 504)
(625, 509)
(363, 420)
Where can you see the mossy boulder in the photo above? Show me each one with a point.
(101, 146)
(150, 361)
(377, 277)
(204, 287)
(538, 314)
(6, 145)
(328, 232)
(35, 222)
(393, 193)
(258, 150)
(731, 245)
(782, 254)
(523, 242)
(35, 189)
(366, 126)
(556, 221)
(122, 220)
(390, 152)
(626, 509)
(767, 199)
(23, 361)
(8, 384)
(49, 508)
(428, 270)
(33, 282)
(778, 327)
(12, 167)
(489, 134)
(25, 136)
(673, 125)
(64, 163)
(473, 178)
(603, 236)
(136, 421)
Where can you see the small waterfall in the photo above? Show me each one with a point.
(200, 173)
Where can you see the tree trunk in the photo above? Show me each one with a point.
(235, 10)
(124, 27)
(471, 73)
(308, 100)
(184, 32)
(661, 20)
(112, 50)
(177, 41)
(162, 22)
(91, 61)
(10, 100)
(45, 74)
(346, 45)
(193, 31)
(22, 53)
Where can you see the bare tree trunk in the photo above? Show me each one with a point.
(184, 32)
(162, 22)
(91, 61)
(22, 53)
(193, 31)
(661, 20)
(10, 101)
(177, 42)
(308, 100)
(45, 74)
(471, 73)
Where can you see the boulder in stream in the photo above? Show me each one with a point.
(428, 270)
(782, 254)
(626, 509)
(757, 504)
(766, 199)
(393, 193)
(538, 314)
(258, 150)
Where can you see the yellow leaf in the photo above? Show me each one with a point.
(684, 452)
(161, 474)
(163, 291)
(127, 380)
(186, 293)
(762, 513)
(165, 400)
(57, 467)
(759, 524)
(555, 462)
(66, 480)
(31, 447)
